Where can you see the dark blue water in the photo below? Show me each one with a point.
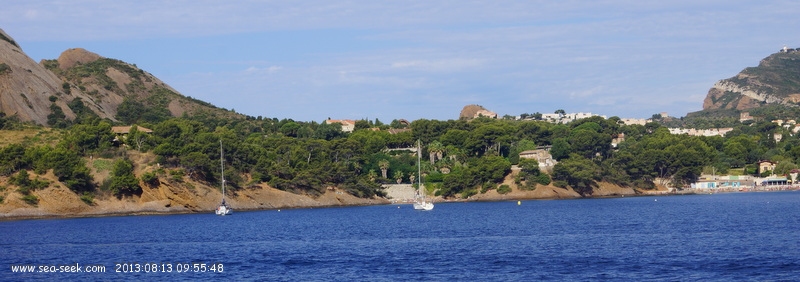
(741, 236)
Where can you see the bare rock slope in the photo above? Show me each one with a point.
(776, 80)
(25, 86)
(32, 91)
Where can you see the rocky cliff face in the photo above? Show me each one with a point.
(25, 86)
(32, 91)
(776, 80)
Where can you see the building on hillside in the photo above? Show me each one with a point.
(121, 132)
(723, 182)
(348, 125)
(775, 181)
(568, 117)
(745, 116)
(632, 121)
(124, 130)
(619, 138)
(701, 132)
(764, 166)
(541, 155)
(556, 118)
(789, 124)
(786, 49)
(485, 113)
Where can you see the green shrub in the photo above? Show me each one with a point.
(504, 189)
(24, 190)
(560, 183)
(4, 68)
(26, 185)
(39, 184)
(177, 175)
(751, 169)
(21, 179)
(106, 185)
(31, 199)
(150, 178)
(1, 199)
(543, 179)
(487, 186)
(109, 154)
(529, 185)
(468, 193)
(123, 181)
(88, 198)
(434, 177)
(644, 184)
(102, 165)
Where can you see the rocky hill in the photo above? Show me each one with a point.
(25, 85)
(776, 80)
(474, 111)
(80, 80)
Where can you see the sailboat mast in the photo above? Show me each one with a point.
(419, 167)
(222, 168)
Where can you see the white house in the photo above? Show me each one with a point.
(348, 125)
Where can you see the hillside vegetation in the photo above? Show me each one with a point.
(462, 158)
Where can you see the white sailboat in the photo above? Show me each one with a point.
(420, 201)
(223, 208)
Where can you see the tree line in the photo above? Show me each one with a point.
(460, 157)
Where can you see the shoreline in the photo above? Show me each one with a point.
(492, 198)
(175, 212)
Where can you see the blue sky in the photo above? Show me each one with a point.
(310, 60)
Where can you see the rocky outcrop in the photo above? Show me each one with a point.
(729, 95)
(25, 86)
(75, 56)
(475, 111)
(776, 80)
(31, 91)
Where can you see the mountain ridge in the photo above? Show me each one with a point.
(60, 90)
(776, 80)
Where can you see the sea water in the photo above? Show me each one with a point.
(737, 236)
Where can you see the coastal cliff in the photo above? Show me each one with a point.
(774, 81)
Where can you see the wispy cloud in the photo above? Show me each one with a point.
(416, 59)
(445, 65)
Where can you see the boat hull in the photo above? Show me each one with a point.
(223, 210)
(425, 206)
